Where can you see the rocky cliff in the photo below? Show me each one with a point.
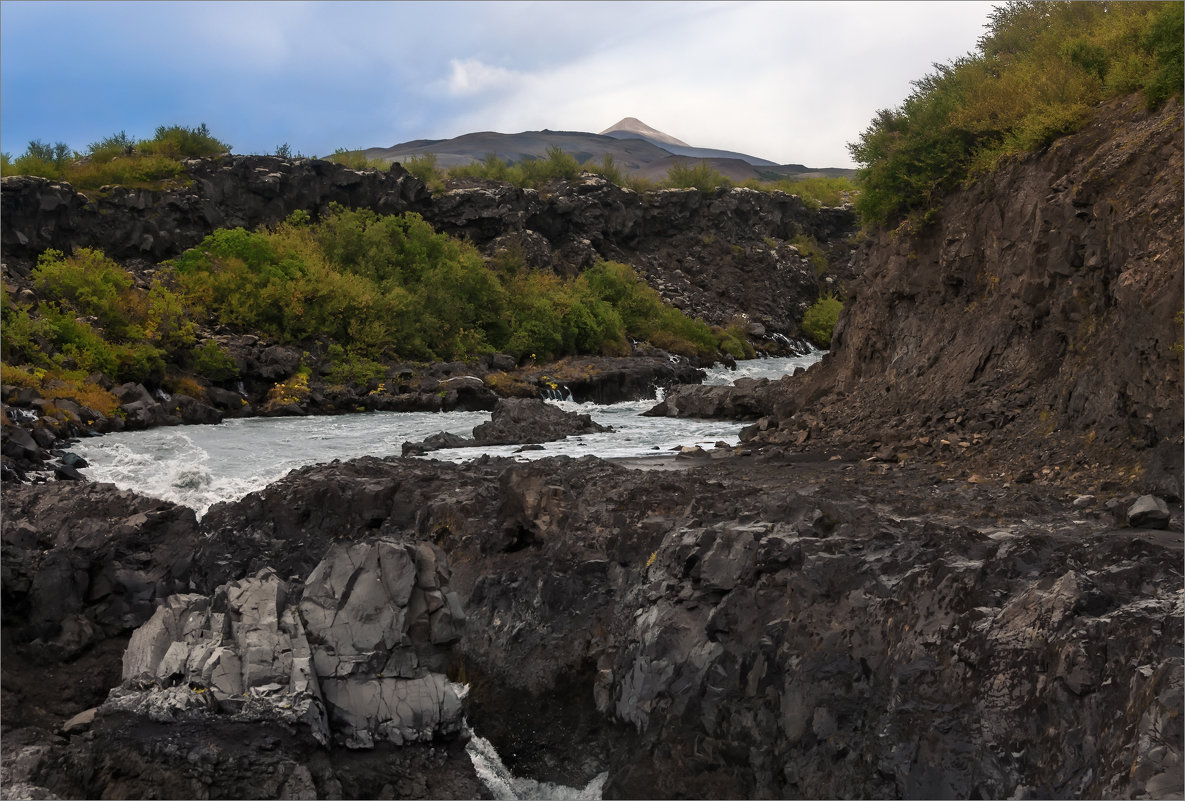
(1034, 329)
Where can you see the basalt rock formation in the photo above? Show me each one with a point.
(748, 627)
(1034, 329)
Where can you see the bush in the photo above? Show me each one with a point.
(57, 383)
(1035, 75)
(819, 320)
(180, 142)
(356, 160)
(211, 361)
(809, 247)
(117, 159)
(699, 176)
(424, 167)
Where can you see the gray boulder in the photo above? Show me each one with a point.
(1148, 512)
(361, 656)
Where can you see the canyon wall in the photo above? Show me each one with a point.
(1035, 326)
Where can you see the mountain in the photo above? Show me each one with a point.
(637, 148)
(632, 127)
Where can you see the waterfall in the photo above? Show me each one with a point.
(506, 787)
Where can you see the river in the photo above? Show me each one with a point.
(198, 466)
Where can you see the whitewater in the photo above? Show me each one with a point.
(199, 466)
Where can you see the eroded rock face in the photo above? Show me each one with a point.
(360, 656)
(1034, 326)
(747, 627)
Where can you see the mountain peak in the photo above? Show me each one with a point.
(636, 126)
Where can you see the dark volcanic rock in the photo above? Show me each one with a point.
(89, 563)
(519, 421)
(1149, 512)
(226, 192)
(1037, 321)
(745, 399)
(515, 421)
(739, 629)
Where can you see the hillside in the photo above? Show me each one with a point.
(637, 148)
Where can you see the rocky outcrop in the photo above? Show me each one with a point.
(353, 657)
(744, 399)
(733, 630)
(515, 421)
(360, 656)
(1034, 329)
(220, 192)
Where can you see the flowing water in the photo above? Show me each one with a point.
(198, 466)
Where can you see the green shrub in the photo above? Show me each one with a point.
(810, 248)
(424, 167)
(699, 176)
(1033, 78)
(92, 285)
(350, 368)
(181, 142)
(117, 159)
(607, 169)
(211, 361)
(819, 320)
(356, 160)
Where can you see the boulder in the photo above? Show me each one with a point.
(132, 393)
(19, 444)
(192, 411)
(519, 421)
(1148, 512)
(359, 658)
(435, 442)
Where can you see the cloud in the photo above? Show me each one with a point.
(785, 81)
(470, 77)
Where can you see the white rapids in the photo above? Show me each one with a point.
(198, 466)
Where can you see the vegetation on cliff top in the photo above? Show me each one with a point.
(364, 289)
(117, 159)
(1035, 74)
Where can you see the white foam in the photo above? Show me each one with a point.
(505, 786)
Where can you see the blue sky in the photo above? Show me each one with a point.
(791, 82)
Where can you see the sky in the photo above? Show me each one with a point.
(792, 82)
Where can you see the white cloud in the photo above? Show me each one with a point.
(470, 77)
(792, 82)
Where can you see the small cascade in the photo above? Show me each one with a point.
(505, 786)
(242, 389)
(163, 396)
(22, 415)
(556, 392)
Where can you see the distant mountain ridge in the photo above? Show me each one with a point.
(639, 149)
